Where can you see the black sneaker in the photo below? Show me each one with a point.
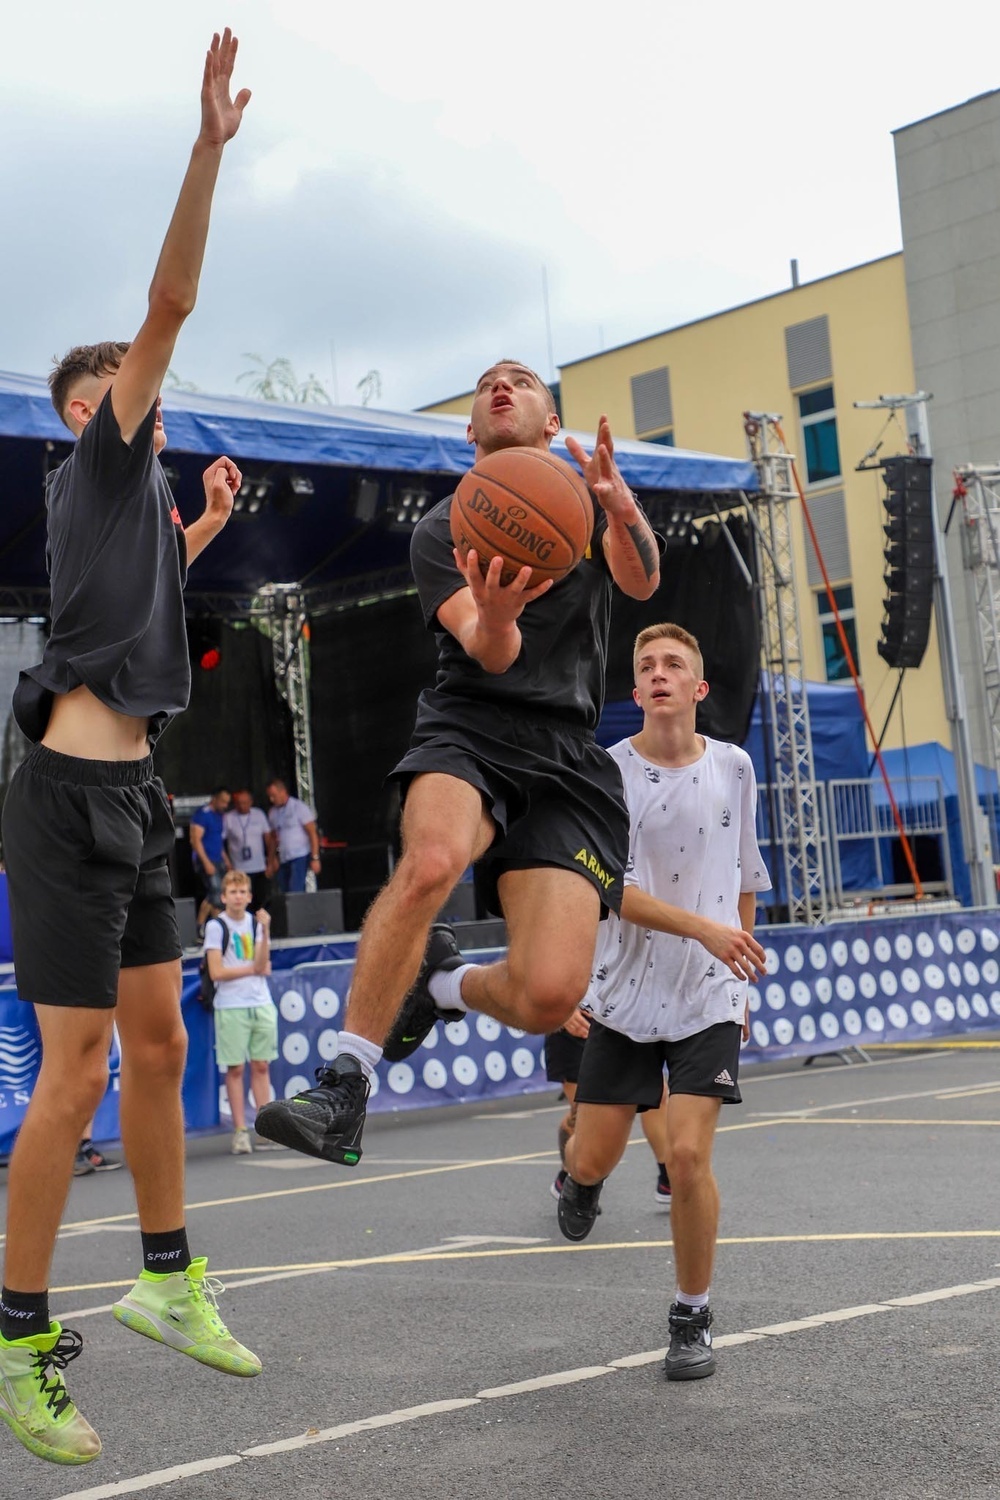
(578, 1208)
(419, 1011)
(97, 1161)
(690, 1356)
(326, 1121)
(559, 1184)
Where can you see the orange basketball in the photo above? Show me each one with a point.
(527, 507)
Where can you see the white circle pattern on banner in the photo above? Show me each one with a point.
(829, 1025)
(845, 987)
(495, 1066)
(852, 1023)
(292, 1006)
(980, 1005)
(867, 986)
(435, 1074)
(327, 1044)
(513, 1031)
(944, 1008)
(860, 951)
(963, 1007)
(925, 944)
(296, 1085)
(464, 1071)
(966, 940)
(457, 1032)
(897, 1017)
(839, 953)
(970, 972)
(817, 956)
(295, 1048)
(874, 1019)
(400, 1078)
(990, 971)
(800, 992)
(753, 996)
(523, 1062)
(807, 1029)
(430, 1041)
(933, 976)
(954, 972)
(374, 1085)
(904, 946)
(882, 949)
(989, 940)
(760, 1034)
(945, 941)
(775, 996)
(995, 1001)
(823, 989)
(773, 960)
(910, 980)
(488, 1028)
(326, 1002)
(784, 1031)
(793, 958)
(921, 1012)
(887, 982)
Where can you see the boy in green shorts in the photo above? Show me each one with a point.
(246, 1019)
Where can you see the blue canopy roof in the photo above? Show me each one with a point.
(321, 540)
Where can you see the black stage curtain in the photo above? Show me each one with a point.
(236, 732)
(370, 663)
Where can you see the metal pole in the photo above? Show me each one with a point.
(975, 827)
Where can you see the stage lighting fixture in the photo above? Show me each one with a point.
(409, 505)
(365, 499)
(251, 497)
(291, 493)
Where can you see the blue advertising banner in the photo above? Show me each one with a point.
(826, 988)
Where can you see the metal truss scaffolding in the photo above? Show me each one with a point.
(978, 488)
(795, 814)
(279, 610)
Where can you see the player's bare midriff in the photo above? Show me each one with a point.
(82, 726)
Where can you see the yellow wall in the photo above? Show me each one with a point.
(736, 361)
(455, 406)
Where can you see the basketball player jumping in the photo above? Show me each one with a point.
(503, 767)
(87, 831)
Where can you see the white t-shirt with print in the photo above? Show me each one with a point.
(288, 823)
(251, 990)
(692, 843)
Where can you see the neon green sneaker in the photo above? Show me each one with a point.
(181, 1310)
(34, 1402)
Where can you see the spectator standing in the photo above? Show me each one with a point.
(294, 825)
(208, 853)
(249, 844)
(246, 1018)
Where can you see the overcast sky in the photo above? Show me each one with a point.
(404, 173)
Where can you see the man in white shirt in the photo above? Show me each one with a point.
(294, 823)
(249, 844)
(670, 980)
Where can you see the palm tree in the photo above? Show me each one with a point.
(276, 380)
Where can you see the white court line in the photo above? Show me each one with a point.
(544, 1382)
(818, 1109)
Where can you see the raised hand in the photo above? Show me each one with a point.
(601, 472)
(221, 480)
(221, 114)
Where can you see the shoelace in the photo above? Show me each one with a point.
(211, 1288)
(329, 1078)
(66, 1348)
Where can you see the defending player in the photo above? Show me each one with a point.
(87, 831)
(670, 978)
(503, 764)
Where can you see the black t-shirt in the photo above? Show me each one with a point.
(117, 564)
(564, 634)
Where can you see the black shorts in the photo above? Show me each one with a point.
(85, 844)
(553, 792)
(562, 1056)
(617, 1070)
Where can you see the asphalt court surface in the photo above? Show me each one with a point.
(426, 1331)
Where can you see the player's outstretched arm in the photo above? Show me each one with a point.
(221, 480)
(629, 543)
(483, 616)
(174, 287)
(738, 949)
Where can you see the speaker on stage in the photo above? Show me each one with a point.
(909, 560)
(187, 921)
(306, 913)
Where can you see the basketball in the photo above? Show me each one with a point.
(525, 506)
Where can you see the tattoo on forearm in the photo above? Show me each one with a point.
(642, 541)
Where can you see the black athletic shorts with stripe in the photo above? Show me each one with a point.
(85, 845)
(617, 1070)
(553, 792)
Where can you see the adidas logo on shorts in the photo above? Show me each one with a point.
(724, 1077)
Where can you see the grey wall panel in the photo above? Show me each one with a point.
(829, 518)
(807, 346)
(652, 406)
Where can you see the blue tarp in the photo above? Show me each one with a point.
(932, 759)
(353, 437)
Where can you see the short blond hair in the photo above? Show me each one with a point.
(668, 632)
(236, 877)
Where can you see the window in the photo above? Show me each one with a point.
(833, 652)
(665, 439)
(818, 421)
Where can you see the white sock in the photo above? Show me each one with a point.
(695, 1300)
(445, 987)
(368, 1053)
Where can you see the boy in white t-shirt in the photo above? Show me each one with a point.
(670, 977)
(246, 1018)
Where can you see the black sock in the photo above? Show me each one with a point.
(164, 1253)
(664, 1179)
(23, 1314)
